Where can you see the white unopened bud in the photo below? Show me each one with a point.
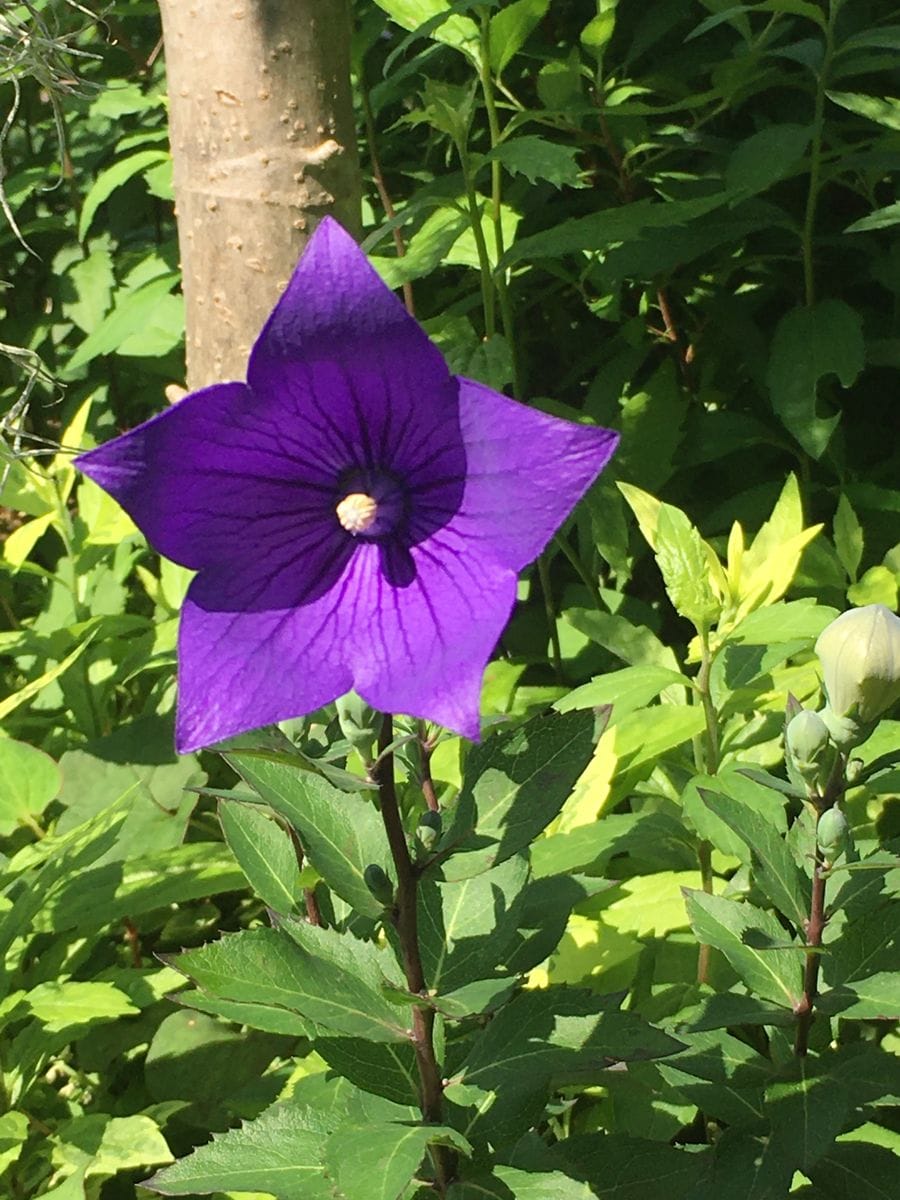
(860, 656)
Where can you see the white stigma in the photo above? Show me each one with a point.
(357, 512)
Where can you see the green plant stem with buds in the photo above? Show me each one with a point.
(815, 926)
(405, 919)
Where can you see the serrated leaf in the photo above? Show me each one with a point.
(876, 997)
(386, 1069)
(377, 1161)
(771, 861)
(328, 978)
(515, 784)
(809, 344)
(276, 1153)
(774, 974)
(264, 852)
(341, 833)
(537, 158)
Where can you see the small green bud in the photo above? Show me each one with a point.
(428, 833)
(832, 833)
(379, 884)
(810, 747)
(860, 656)
(358, 725)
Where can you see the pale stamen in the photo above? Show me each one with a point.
(357, 512)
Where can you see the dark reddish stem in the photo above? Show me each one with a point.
(383, 193)
(405, 918)
(815, 927)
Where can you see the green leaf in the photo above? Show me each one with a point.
(536, 158)
(257, 1016)
(61, 1004)
(93, 280)
(876, 997)
(30, 690)
(848, 537)
(632, 643)
(111, 179)
(133, 315)
(511, 1183)
(884, 110)
(277, 1153)
(773, 974)
(377, 1161)
(465, 926)
(265, 854)
(625, 690)
(515, 784)
(510, 27)
(767, 156)
(877, 586)
(441, 23)
(14, 1132)
(341, 833)
(29, 780)
(771, 861)
(857, 1171)
(552, 1037)
(881, 218)
(684, 564)
(726, 1009)
(808, 1108)
(329, 978)
(722, 1075)
(386, 1069)
(809, 344)
(425, 250)
(91, 899)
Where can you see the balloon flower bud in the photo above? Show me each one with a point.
(357, 722)
(428, 832)
(810, 747)
(379, 884)
(860, 656)
(832, 834)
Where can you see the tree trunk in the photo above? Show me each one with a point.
(264, 144)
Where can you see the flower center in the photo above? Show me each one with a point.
(357, 512)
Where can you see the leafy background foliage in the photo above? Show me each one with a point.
(675, 219)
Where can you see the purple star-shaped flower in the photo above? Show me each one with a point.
(356, 514)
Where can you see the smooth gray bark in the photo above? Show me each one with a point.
(264, 143)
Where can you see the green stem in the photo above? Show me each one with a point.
(708, 762)
(484, 259)
(549, 609)
(815, 163)
(496, 136)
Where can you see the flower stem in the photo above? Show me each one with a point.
(814, 930)
(405, 918)
(549, 608)
(709, 764)
(815, 162)
(496, 136)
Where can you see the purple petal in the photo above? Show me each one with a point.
(411, 631)
(217, 477)
(525, 473)
(424, 636)
(340, 348)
